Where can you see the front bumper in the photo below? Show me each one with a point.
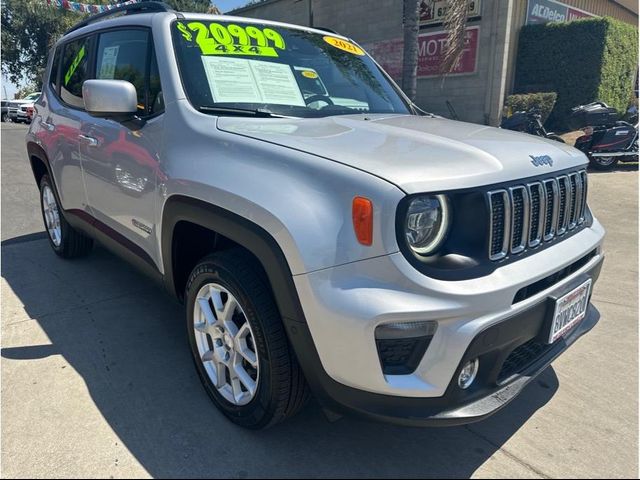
(492, 389)
(344, 305)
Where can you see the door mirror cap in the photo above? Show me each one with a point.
(110, 98)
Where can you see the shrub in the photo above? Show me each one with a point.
(583, 61)
(543, 102)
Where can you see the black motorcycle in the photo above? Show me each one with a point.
(528, 122)
(606, 140)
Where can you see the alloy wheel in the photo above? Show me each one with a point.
(51, 215)
(226, 344)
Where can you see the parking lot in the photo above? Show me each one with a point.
(97, 378)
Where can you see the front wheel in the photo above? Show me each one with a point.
(604, 163)
(239, 344)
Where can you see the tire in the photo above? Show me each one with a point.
(64, 240)
(603, 163)
(280, 389)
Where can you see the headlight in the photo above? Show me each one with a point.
(427, 223)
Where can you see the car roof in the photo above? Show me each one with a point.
(146, 19)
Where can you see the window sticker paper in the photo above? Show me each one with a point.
(109, 61)
(236, 80)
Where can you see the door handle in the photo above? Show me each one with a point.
(47, 125)
(90, 141)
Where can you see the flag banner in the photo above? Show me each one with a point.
(85, 7)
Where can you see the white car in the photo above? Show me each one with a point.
(18, 108)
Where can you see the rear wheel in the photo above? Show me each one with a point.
(604, 163)
(65, 241)
(238, 341)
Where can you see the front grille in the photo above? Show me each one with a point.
(528, 215)
(521, 358)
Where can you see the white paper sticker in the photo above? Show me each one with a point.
(238, 80)
(108, 64)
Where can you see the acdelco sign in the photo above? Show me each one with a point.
(543, 11)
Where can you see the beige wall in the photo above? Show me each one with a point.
(377, 25)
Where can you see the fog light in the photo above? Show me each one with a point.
(468, 374)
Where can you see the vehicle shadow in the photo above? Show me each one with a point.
(127, 340)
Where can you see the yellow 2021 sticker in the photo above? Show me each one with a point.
(309, 74)
(343, 45)
(218, 39)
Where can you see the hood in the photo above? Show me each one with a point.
(418, 154)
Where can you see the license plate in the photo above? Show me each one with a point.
(570, 309)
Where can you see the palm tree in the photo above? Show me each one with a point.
(454, 23)
(411, 15)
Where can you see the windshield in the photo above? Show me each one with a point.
(32, 96)
(284, 71)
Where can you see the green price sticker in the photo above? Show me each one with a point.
(218, 39)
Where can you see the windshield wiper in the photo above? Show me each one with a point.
(244, 112)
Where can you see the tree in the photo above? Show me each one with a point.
(199, 6)
(411, 9)
(29, 30)
(31, 27)
(27, 89)
(454, 23)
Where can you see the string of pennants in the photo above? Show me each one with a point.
(85, 7)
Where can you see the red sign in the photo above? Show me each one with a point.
(573, 14)
(432, 47)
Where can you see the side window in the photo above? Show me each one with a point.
(55, 66)
(75, 62)
(122, 55)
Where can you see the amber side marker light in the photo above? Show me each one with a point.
(362, 214)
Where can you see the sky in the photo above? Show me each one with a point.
(226, 5)
(223, 5)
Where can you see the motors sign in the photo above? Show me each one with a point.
(431, 51)
(544, 11)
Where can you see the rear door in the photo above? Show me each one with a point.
(120, 160)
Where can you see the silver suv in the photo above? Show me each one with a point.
(325, 236)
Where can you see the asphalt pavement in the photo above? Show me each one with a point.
(97, 379)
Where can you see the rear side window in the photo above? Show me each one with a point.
(123, 55)
(55, 67)
(75, 70)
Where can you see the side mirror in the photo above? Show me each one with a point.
(116, 99)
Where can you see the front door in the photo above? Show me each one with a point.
(120, 159)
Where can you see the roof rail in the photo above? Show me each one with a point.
(129, 9)
(325, 29)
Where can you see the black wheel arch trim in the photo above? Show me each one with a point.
(268, 252)
(35, 150)
(258, 241)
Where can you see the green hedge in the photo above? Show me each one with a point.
(543, 102)
(583, 61)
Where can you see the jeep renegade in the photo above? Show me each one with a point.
(325, 235)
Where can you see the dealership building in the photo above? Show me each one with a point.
(475, 91)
